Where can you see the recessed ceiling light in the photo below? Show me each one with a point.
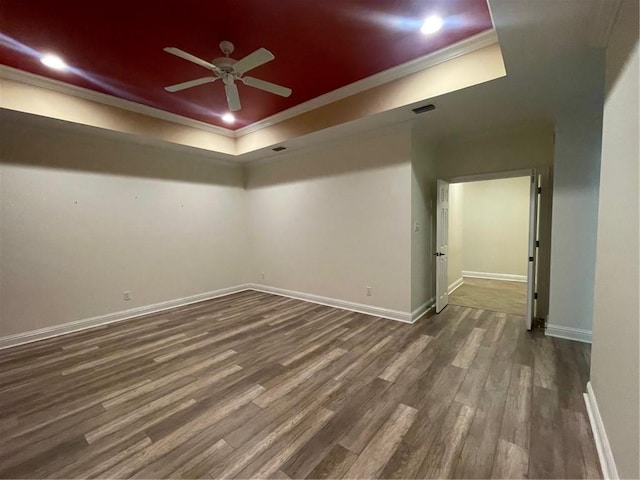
(54, 61)
(228, 118)
(431, 24)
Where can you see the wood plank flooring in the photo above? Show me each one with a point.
(494, 295)
(260, 386)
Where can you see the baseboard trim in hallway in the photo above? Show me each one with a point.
(458, 283)
(423, 309)
(568, 333)
(49, 332)
(605, 454)
(495, 276)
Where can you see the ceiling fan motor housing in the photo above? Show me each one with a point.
(224, 63)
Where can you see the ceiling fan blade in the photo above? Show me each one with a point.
(266, 86)
(192, 83)
(233, 99)
(253, 60)
(191, 58)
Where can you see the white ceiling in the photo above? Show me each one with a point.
(554, 55)
(551, 66)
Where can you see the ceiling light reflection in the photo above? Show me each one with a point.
(54, 61)
(431, 24)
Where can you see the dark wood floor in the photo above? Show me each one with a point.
(255, 385)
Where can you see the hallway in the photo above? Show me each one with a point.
(493, 295)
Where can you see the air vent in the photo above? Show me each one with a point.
(279, 148)
(426, 108)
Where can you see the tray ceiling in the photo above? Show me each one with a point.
(116, 47)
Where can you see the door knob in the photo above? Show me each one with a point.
(438, 254)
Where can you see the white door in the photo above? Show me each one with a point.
(442, 240)
(533, 250)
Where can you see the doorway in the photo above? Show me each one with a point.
(488, 233)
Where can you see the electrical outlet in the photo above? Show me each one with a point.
(369, 291)
(126, 296)
(262, 275)
(416, 227)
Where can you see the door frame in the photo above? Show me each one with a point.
(533, 233)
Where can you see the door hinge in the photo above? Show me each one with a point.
(531, 259)
(539, 189)
(535, 296)
(537, 243)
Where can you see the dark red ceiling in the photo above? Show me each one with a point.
(116, 46)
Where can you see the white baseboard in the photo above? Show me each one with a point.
(49, 332)
(397, 315)
(495, 276)
(569, 333)
(423, 309)
(455, 285)
(34, 335)
(607, 462)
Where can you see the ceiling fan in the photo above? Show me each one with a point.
(229, 70)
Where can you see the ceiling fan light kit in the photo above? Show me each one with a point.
(229, 71)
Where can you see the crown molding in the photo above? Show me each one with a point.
(40, 123)
(16, 75)
(468, 45)
(483, 39)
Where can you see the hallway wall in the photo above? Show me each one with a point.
(496, 227)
